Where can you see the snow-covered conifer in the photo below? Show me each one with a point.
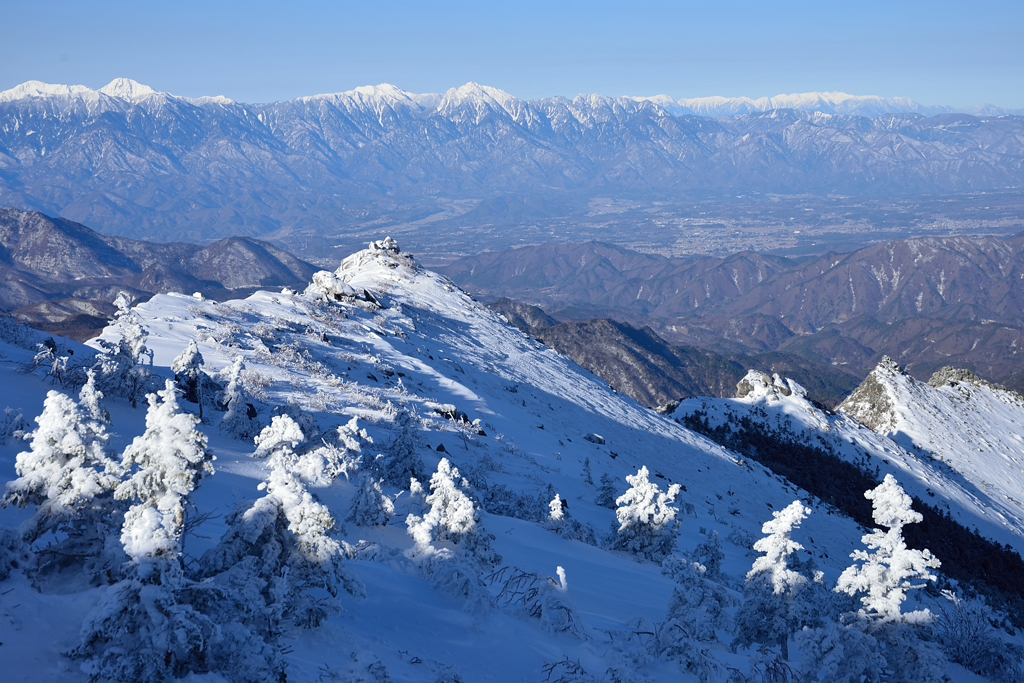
(89, 398)
(769, 614)
(452, 517)
(698, 603)
(281, 544)
(188, 374)
(120, 363)
(156, 625)
(67, 465)
(647, 524)
(400, 461)
(556, 514)
(709, 554)
(322, 465)
(886, 574)
(169, 459)
(838, 653)
(588, 475)
(371, 507)
(606, 492)
(239, 419)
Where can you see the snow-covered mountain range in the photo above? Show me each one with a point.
(385, 94)
(147, 164)
(435, 380)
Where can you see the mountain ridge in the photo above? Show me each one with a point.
(55, 270)
(827, 102)
(335, 169)
(926, 302)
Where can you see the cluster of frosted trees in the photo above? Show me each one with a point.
(121, 371)
(123, 521)
(857, 631)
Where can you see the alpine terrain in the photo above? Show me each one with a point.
(376, 478)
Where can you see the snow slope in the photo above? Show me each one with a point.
(961, 421)
(381, 334)
(927, 437)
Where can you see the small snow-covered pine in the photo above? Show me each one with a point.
(281, 546)
(769, 614)
(400, 461)
(452, 517)
(119, 365)
(67, 465)
(647, 525)
(885, 575)
(169, 459)
(187, 369)
(606, 492)
(371, 506)
(239, 419)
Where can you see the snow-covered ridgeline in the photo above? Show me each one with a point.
(957, 445)
(482, 97)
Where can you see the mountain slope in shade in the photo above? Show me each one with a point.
(645, 367)
(927, 302)
(55, 270)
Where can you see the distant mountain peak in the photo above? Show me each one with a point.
(127, 89)
(482, 98)
(31, 89)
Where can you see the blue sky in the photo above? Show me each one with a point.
(956, 53)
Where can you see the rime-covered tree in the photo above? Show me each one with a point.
(770, 613)
(240, 416)
(168, 461)
(341, 456)
(280, 546)
(400, 462)
(698, 603)
(839, 653)
(156, 624)
(89, 399)
(647, 524)
(188, 374)
(556, 512)
(67, 466)
(371, 506)
(451, 517)
(885, 575)
(606, 492)
(709, 554)
(120, 365)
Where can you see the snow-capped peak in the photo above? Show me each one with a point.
(31, 89)
(124, 89)
(481, 98)
(129, 90)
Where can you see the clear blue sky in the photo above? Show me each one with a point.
(936, 52)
